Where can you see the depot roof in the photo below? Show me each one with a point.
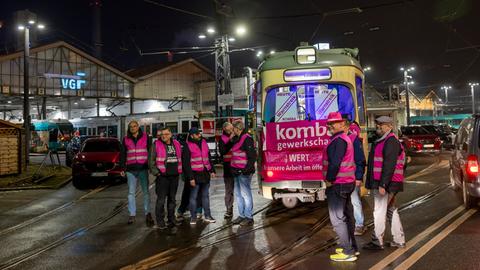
(74, 49)
(152, 70)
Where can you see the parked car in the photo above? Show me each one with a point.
(444, 132)
(464, 166)
(73, 147)
(97, 161)
(417, 139)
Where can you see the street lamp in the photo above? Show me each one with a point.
(472, 87)
(407, 90)
(26, 87)
(446, 88)
(366, 69)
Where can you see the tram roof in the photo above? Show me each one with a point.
(325, 58)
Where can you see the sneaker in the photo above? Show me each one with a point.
(360, 230)
(373, 246)
(193, 221)
(228, 215)
(149, 220)
(199, 215)
(179, 216)
(160, 225)
(340, 250)
(342, 257)
(247, 222)
(238, 220)
(131, 220)
(397, 245)
(172, 223)
(209, 219)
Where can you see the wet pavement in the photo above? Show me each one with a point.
(75, 229)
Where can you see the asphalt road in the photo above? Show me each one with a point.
(74, 229)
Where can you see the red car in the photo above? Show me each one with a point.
(417, 139)
(97, 161)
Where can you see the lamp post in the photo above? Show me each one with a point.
(26, 87)
(406, 76)
(446, 88)
(472, 88)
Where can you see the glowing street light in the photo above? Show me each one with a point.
(366, 69)
(202, 36)
(211, 30)
(241, 30)
(446, 88)
(406, 76)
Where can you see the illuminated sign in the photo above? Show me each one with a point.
(73, 84)
(307, 74)
(305, 55)
(69, 82)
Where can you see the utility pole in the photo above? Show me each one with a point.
(472, 88)
(26, 96)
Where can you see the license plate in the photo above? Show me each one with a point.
(428, 145)
(99, 174)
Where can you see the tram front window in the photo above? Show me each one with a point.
(307, 102)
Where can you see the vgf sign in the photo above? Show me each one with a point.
(69, 82)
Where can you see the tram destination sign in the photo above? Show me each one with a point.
(296, 75)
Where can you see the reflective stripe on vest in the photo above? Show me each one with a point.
(199, 157)
(161, 152)
(398, 173)
(136, 153)
(346, 173)
(239, 157)
(228, 156)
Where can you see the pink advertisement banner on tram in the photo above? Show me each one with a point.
(294, 150)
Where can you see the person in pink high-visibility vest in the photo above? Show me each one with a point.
(385, 175)
(166, 165)
(339, 168)
(225, 147)
(134, 157)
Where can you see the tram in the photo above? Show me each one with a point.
(295, 92)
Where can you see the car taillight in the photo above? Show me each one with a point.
(472, 167)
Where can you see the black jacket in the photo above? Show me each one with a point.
(224, 148)
(123, 152)
(391, 151)
(335, 151)
(249, 147)
(189, 174)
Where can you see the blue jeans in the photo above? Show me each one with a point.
(357, 207)
(243, 195)
(201, 188)
(132, 177)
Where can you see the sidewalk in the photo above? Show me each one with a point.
(47, 178)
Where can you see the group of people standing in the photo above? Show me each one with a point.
(167, 159)
(344, 168)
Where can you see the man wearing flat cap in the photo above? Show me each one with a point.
(385, 175)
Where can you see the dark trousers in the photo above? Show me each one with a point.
(166, 188)
(186, 199)
(229, 186)
(340, 210)
(200, 190)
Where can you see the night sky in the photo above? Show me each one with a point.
(440, 37)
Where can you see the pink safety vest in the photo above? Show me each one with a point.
(162, 155)
(199, 157)
(378, 161)
(136, 153)
(228, 156)
(239, 157)
(346, 174)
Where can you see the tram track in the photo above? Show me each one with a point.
(171, 255)
(290, 263)
(12, 262)
(51, 212)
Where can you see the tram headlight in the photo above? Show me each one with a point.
(269, 173)
(306, 55)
